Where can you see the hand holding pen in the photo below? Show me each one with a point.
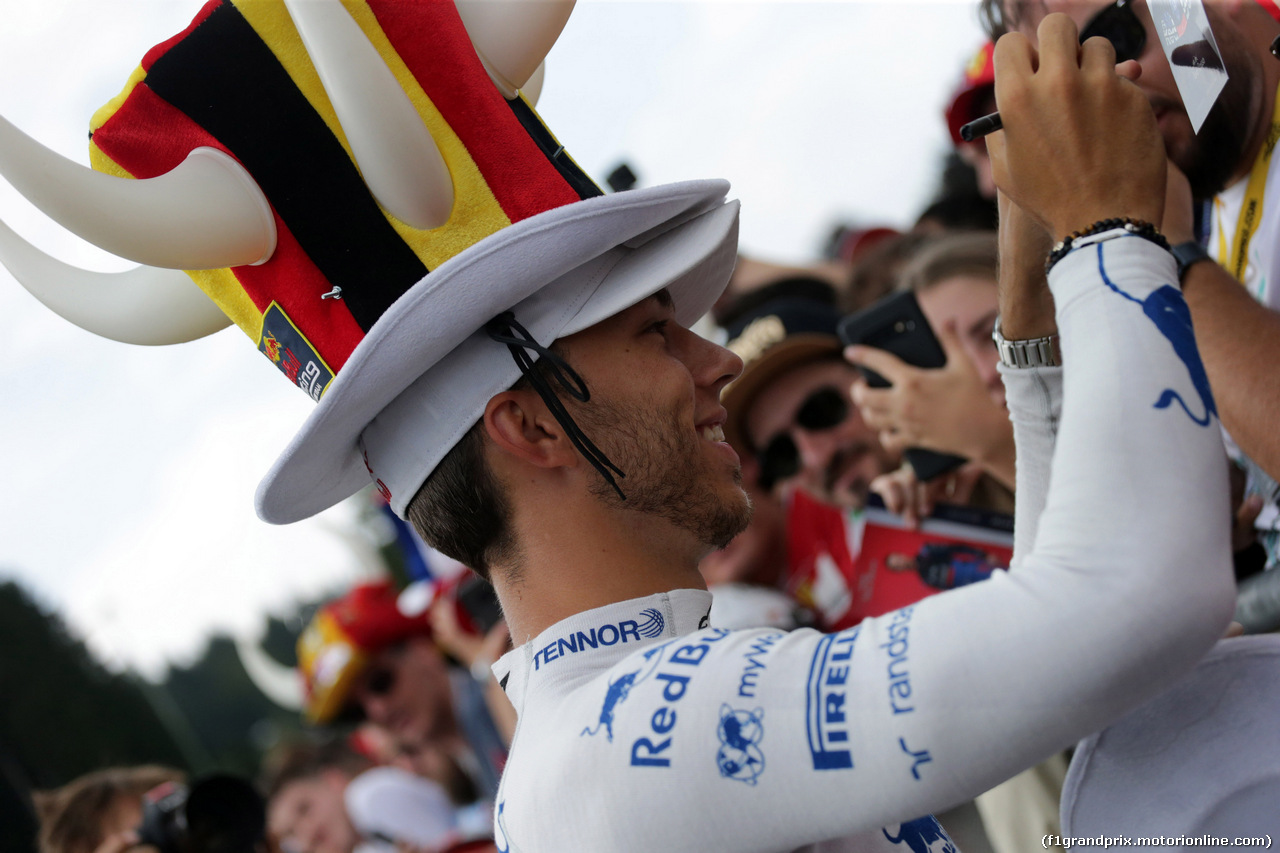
(1081, 142)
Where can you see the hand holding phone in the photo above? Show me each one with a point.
(897, 325)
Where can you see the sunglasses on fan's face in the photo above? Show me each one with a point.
(824, 409)
(1118, 24)
(379, 681)
(381, 676)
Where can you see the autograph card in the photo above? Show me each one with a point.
(1192, 53)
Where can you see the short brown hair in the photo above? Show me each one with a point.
(72, 817)
(949, 255)
(307, 759)
(462, 510)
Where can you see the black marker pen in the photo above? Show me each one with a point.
(980, 127)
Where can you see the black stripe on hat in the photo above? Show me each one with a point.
(554, 151)
(226, 79)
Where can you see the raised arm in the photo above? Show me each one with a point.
(763, 741)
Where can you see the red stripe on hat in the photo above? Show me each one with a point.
(295, 283)
(163, 47)
(147, 137)
(434, 44)
(1272, 9)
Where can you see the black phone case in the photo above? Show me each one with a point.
(896, 325)
(478, 598)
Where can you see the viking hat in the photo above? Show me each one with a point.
(360, 186)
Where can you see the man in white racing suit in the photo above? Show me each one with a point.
(588, 478)
(644, 728)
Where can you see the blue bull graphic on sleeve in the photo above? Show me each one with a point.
(620, 689)
(1166, 308)
(922, 835)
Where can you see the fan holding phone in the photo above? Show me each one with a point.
(930, 383)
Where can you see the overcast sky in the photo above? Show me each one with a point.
(126, 487)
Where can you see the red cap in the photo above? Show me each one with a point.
(370, 615)
(979, 78)
(337, 644)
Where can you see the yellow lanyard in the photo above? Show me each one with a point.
(1251, 209)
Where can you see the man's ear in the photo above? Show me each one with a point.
(519, 423)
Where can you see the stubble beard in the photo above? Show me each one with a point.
(667, 475)
(1214, 155)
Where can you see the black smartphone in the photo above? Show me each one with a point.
(478, 599)
(896, 325)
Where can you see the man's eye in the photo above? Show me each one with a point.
(660, 327)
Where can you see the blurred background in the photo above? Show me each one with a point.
(134, 575)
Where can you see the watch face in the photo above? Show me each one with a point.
(1189, 253)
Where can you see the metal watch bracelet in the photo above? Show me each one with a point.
(1034, 352)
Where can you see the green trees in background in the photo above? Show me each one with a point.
(62, 714)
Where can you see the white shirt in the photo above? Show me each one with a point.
(640, 728)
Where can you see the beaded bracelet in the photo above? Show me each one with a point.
(1136, 227)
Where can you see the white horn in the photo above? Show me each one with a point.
(513, 36)
(146, 305)
(397, 157)
(532, 89)
(279, 683)
(205, 214)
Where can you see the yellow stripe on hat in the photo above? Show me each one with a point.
(220, 285)
(476, 213)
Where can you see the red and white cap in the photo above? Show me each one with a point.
(979, 79)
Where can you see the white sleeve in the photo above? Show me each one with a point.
(763, 740)
(1034, 397)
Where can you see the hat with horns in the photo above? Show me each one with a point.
(360, 186)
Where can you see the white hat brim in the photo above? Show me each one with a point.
(635, 243)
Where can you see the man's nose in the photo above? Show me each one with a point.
(711, 365)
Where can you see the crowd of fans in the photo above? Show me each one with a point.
(414, 725)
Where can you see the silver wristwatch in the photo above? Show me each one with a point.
(1036, 352)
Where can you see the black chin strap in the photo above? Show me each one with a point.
(504, 329)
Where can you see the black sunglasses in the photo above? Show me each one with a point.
(823, 409)
(1118, 24)
(380, 681)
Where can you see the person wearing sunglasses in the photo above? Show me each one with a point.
(363, 657)
(1232, 134)
(1232, 181)
(791, 407)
